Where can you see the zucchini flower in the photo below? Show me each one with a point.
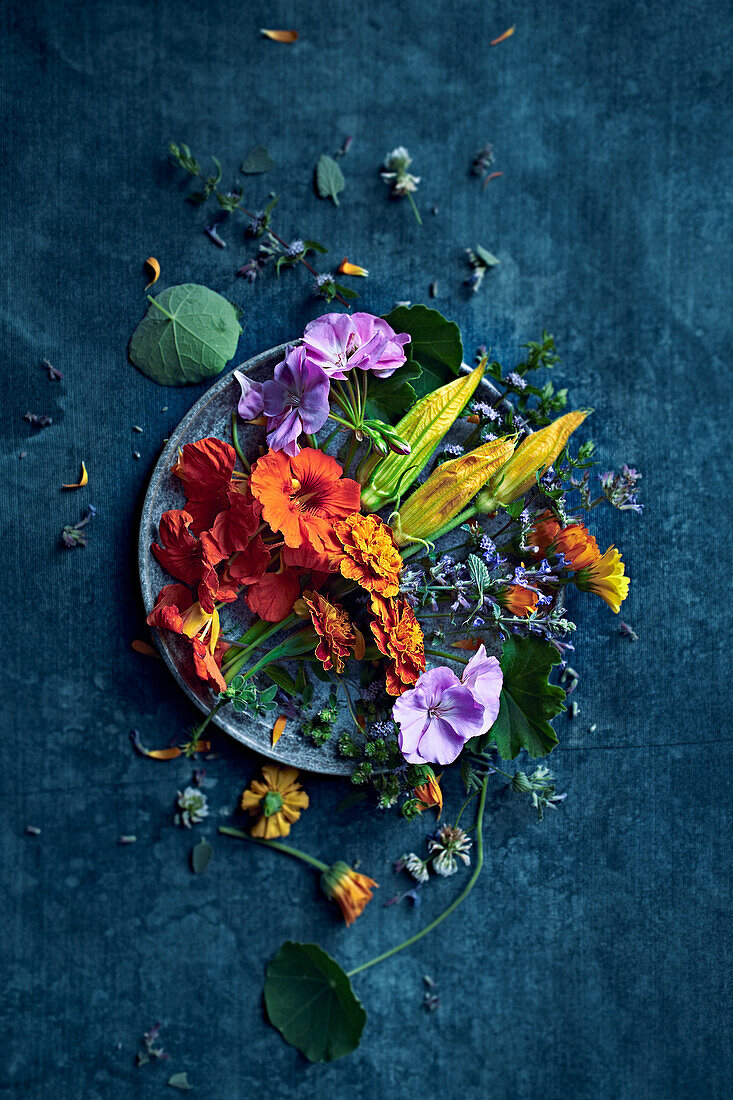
(422, 429)
(447, 491)
(534, 455)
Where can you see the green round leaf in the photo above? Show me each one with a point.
(201, 857)
(310, 1001)
(436, 344)
(330, 183)
(528, 701)
(188, 333)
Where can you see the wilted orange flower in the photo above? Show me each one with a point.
(277, 800)
(370, 555)
(429, 792)
(398, 636)
(518, 600)
(348, 888)
(338, 635)
(575, 541)
(607, 578)
(302, 496)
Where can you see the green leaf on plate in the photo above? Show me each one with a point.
(330, 180)
(201, 857)
(180, 1081)
(436, 342)
(389, 399)
(189, 333)
(528, 701)
(257, 161)
(310, 1001)
(282, 678)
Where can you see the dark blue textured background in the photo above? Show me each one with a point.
(591, 960)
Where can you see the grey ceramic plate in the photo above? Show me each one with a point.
(211, 415)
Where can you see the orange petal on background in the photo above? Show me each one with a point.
(345, 268)
(152, 267)
(469, 644)
(164, 754)
(503, 37)
(82, 480)
(281, 36)
(278, 729)
(145, 649)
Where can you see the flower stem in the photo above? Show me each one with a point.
(235, 442)
(414, 208)
(288, 851)
(448, 656)
(454, 904)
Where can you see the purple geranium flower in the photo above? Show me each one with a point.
(437, 717)
(250, 403)
(484, 677)
(338, 342)
(295, 401)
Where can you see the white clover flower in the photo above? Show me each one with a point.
(416, 867)
(447, 846)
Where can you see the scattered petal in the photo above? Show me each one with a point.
(152, 267)
(201, 857)
(179, 1081)
(82, 480)
(492, 176)
(129, 839)
(278, 729)
(281, 36)
(32, 830)
(54, 375)
(345, 268)
(503, 37)
(145, 649)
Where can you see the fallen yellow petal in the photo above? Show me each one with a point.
(153, 268)
(82, 480)
(281, 36)
(345, 268)
(278, 729)
(503, 37)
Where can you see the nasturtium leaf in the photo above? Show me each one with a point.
(201, 857)
(329, 179)
(528, 701)
(310, 1001)
(189, 333)
(389, 399)
(257, 161)
(436, 342)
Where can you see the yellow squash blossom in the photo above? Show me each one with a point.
(607, 578)
(277, 800)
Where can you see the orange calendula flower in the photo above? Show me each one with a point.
(607, 578)
(428, 792)
(518, 600)
(338, 635)
(302, 496)
(399, 637)
(370, 555)
(350, 890)
(277, 801)
(575, 541)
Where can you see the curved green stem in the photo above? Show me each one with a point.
(414, 208)
(235, 443)
(454, 904)
(285, 848)
(448, 656)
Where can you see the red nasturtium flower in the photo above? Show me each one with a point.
(189, 559)
(273, 595)
(206, 469)
(399, 637)
(518, 600)
(575, 541)
(370, 555)
(302, 496)
(176, 610)
(338, 635)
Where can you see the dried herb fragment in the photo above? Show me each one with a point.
(330, 180)
(32, 830)
(281, 36)
(72, 536)
(211, 233)
(38, 420)
(258, 161)
(54, 375)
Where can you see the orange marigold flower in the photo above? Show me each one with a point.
(302, 496)
(371, 557)
(574, 541)
(607, 578)
(399, 637)
(277, 801)
(428, 792)
(350, 890)
(518, 600)
(338, 635)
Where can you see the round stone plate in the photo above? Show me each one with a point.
(211, 415)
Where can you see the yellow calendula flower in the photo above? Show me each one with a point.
(534, 455)
(277, 800)
(607, 578)
(350, 890)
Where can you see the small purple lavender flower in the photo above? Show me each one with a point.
(485, 411)
(295, 250)
(620, 489)
(516, 380)
(295, 401)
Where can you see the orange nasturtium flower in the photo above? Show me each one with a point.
(575, 541)
(428, 792)
(348, 888)
(277, 801)
(302, 496)
(338, 635)
(175, 610)
(371, 557)
(518, 600)
(607, 578)
(400, 638)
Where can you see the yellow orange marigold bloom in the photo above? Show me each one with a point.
(607, 578)
(574, 541)
(429, 792)
(350, 890)
(370, 555)
(337, 633)
(277, 800)
(400, 638)
(518, 600)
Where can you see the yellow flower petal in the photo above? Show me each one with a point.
(278, 728)
(152, 268)
(281, 36)
(82, 480)
(345, 268)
